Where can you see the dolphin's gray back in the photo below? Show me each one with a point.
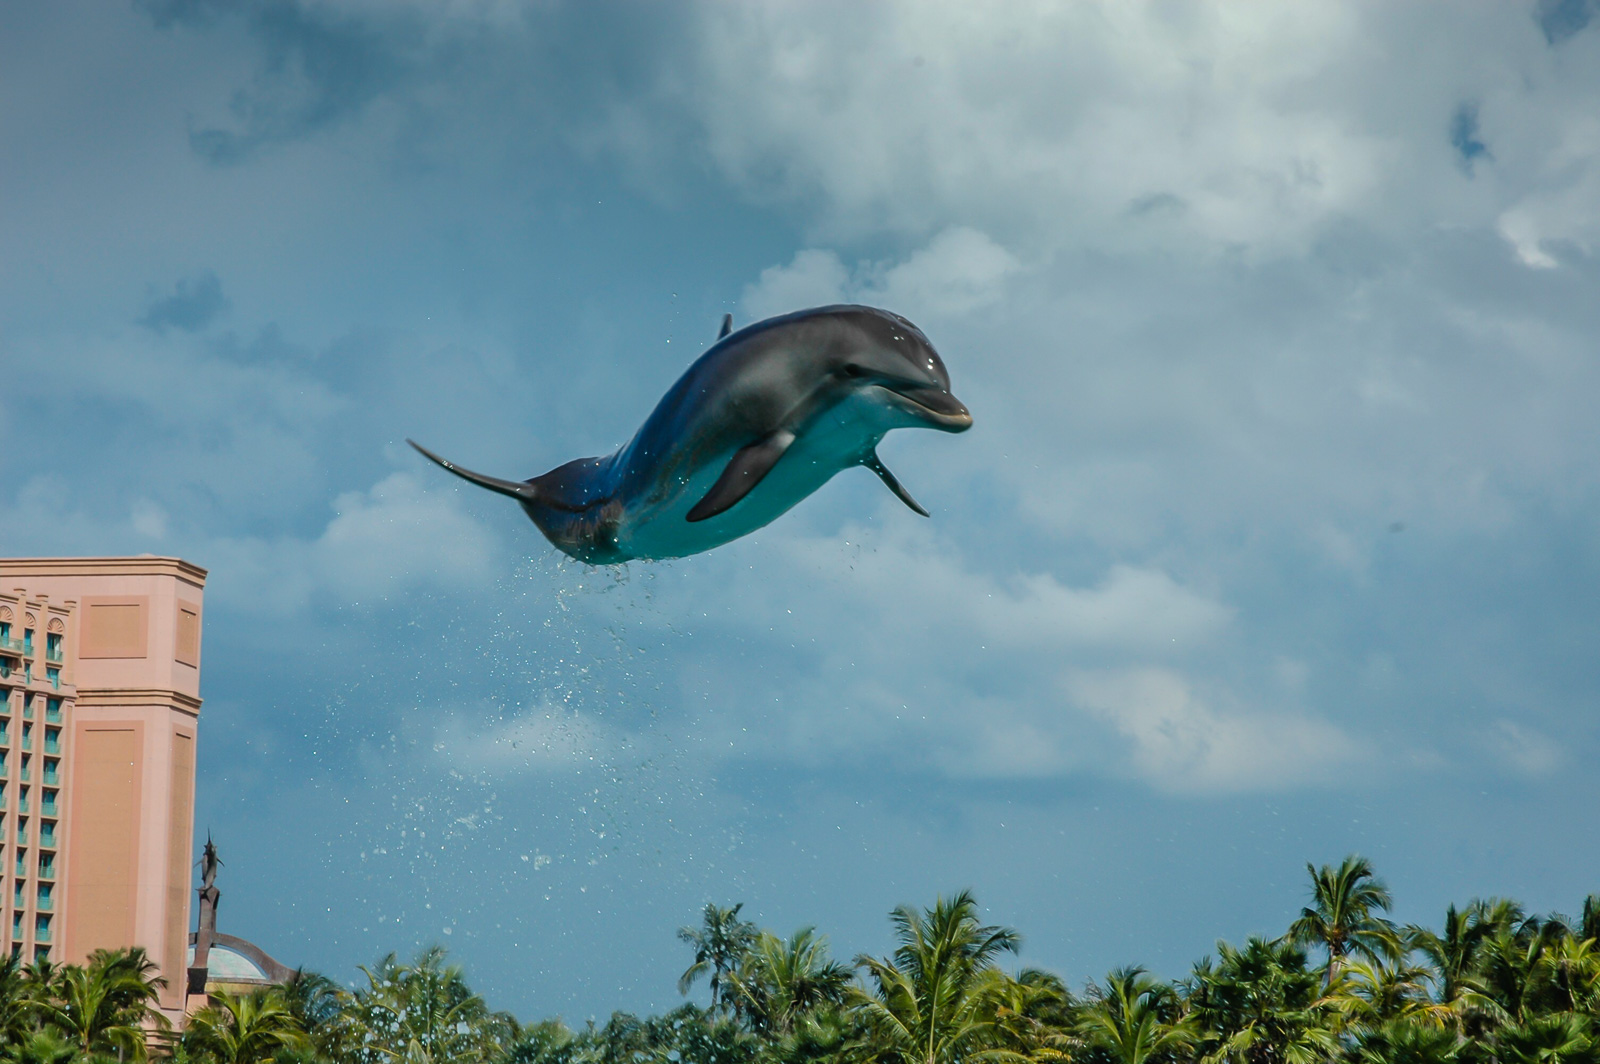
(747, 384)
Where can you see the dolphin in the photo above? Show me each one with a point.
(761, 420)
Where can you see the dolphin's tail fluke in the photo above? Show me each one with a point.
(517, 489)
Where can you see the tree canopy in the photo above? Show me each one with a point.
(1493, 984)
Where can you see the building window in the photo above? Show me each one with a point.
(47, 833)
(41, 953)
(50, 776)
(27, 736)
(27, 642)
(52, 711)
(52, 740)
(16, 925)
(46, 901)
(48, 805)
(27, 709)
(22, 862)
(16, 893)
(47, 866)
(41, 928)
(54, 676)
(52, 646)
(5, 731)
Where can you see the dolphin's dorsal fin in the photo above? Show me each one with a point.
(745, 470)
(874, 463)
(727, 326)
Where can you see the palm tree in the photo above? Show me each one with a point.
(937, 1001)
(719, 944)
(424, 1012)
(778, 981)
(1037, 1017)
(1377, 992)
(39, 1047)
(313, 998)
(1262, 1004)
(1456, 955)
(245, 1028)
(1342, 915)
(318, 1005)
(826, 1035)
(688, 1034)
(1134, 1019)
(1573, 974)
(18, 1000)
(1401, 1042)
(1559, 1038)
(1511, 979)
(545, 1042)
(1589, 922)
(1450, 952)
(105, 1005)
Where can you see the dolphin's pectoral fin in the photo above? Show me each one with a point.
(727, 326)
(874, 463)
(744, 472)
(517, 489)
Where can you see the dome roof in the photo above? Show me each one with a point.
(231, 959)
(228, 966)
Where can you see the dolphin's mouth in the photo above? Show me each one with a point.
(934, 406)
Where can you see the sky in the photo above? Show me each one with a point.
(1275, 538)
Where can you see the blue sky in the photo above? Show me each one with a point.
(1275, 538)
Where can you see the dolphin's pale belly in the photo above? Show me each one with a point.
(837, 440)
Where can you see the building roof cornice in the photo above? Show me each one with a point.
(141, 565)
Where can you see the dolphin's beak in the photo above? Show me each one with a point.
(934, 406)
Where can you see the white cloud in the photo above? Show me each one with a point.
(1568, 212)
(1522, 749)
(149, 519)
(922, 579)
(390, 538)
(1183, 742)
(1100, 118)
(397, 533)
(1204, 127)
(933, 664)
(960, 270)
(813, 278)
(549, 739)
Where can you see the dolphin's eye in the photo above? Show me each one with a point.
(853, 370)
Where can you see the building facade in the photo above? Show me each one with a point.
(100, 688)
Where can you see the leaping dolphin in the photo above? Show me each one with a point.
(760, 421)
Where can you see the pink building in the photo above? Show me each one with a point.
(99, 703)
